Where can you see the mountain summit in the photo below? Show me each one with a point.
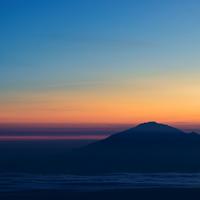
(154, 125)
(150, 130)
(147, 147)
(140, 137)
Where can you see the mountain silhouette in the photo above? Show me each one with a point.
(144, 135)
(148, 147)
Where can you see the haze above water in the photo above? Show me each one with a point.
(73, 135)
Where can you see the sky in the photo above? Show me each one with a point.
(102, 61)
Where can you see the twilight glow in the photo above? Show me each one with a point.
(100, 61)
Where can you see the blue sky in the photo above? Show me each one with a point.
(87, 45)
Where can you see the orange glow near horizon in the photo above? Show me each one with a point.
(160, 101)
(73, 62)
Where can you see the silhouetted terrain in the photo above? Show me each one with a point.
(148, 147)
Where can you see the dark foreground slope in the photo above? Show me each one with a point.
(148, 147)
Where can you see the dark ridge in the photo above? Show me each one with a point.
(148, 147)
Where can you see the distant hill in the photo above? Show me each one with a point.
(148, 147)
(151, 147)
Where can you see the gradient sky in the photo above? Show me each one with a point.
(102, 61)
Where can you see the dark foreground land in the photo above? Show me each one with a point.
(126, 194)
